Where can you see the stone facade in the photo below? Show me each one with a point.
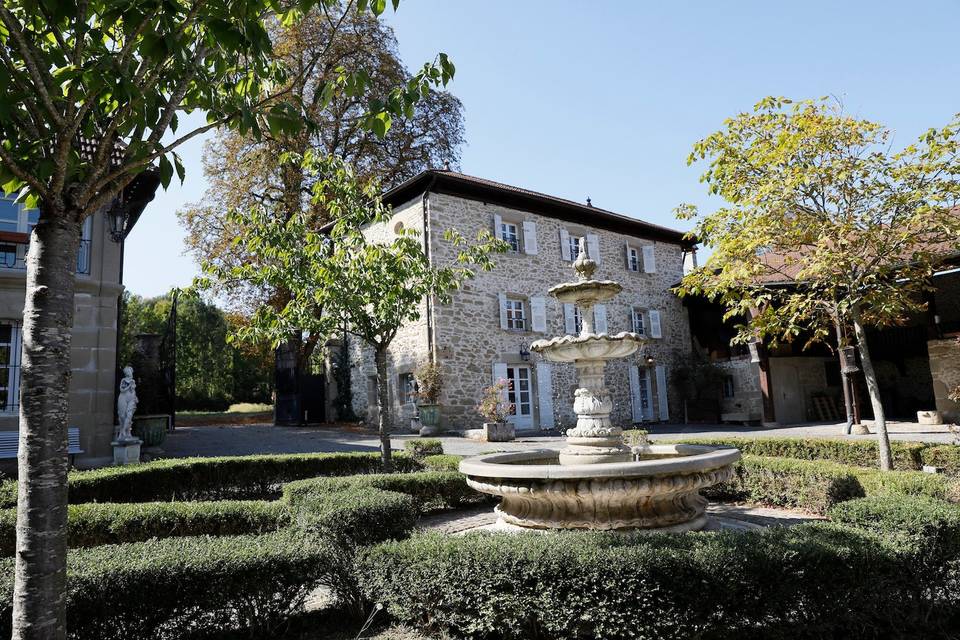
(468, 337)
(741, 398)
(94, 341)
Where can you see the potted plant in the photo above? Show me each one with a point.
(429, 385)
(495, 410)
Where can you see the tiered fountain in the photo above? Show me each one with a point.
(597, 482)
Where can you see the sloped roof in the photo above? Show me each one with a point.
(474, 188)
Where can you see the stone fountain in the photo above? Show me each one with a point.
(596, 482)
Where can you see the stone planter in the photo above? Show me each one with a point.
(152, 429)
(929, 417)
(429, 415)
(493, 432)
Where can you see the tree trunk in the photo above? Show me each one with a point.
(383, 397)
(39, 599)
(879, 420)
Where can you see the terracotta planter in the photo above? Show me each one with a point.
(152, 429)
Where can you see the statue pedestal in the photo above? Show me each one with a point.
(126, 451)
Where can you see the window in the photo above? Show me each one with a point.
(14, 218)
(408, 388)
(577, 319)
(644, 391)
(574, 246)
(515, 317)
(637, 322)
(508, 232)
(728, 391)
(9, 366)
(633, 259)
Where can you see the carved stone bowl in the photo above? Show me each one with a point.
(590, 346)
(586, 291)
(660, 492)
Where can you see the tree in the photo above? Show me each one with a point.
(244, 171)
(374, 288)
(824, 223)
(114, 76)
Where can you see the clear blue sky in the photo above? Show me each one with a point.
(605, 99)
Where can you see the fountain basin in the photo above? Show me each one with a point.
(590, 346)
(660, 492)
(592, 291)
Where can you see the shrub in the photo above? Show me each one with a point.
(945, 456)
(918, 519)
(92, 525)
(814, 486)
(817, 485)
(859, 453)
(168, 588)
(423, 447)
(444, 462)
(430, 490)
(810, 581)
(357, 515)
(224, 478)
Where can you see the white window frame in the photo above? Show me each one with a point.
(637, 322)
(13, 368)
(574, 243)
(510, 233)
(516, 315)
(406, 384)
(23, 215)
(633, 259)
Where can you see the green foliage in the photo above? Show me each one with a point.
(93, 524)
(444, 462)
(493, 405)
(918, 519)
(423, 447)
(946, 456)
(167, 589)
(430, 490)
(816, 485)
(907, 456)
(226, 478)
(635, 437)
(356, 514)
(809, 581)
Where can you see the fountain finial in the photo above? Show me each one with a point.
(584, 266)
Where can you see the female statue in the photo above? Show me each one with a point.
(126, 404)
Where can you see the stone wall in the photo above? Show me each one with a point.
(468, 334)
(747, 397)
(945, 370)
(93, 351)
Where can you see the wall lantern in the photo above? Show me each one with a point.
(117, 215)
(848, 359)
(649, 360)
(524, 352)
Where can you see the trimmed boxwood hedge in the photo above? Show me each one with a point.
(423, 447)
(915, 518)
(809, 581)
(945, 456)
(226, 478)
(92, 524)
(907, 456)
(183, 587)
(356, 515)
(430, 490)
(818, 485)
(443, 462)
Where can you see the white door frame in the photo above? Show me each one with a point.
(646, 387)
(520, 377)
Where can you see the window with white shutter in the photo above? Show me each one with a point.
(662, 402)
(538, 314)
(649, 259)
(530, 237)
(593, 247)
(600, 318)
(655, 330)
(565, 245)
(510, 235)
(498, 226)
(502, 298)
(633, 258)
(637, 321)
(545, 394)
(570, 319)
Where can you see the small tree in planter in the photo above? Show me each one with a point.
(495, 410)
(429, 386)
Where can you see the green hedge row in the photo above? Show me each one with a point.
(914, 520)
(443, 462)
(423, 447)
(92, 525)
(810, 581)
(430, 490)
(184, 587)
(818, 485)
(907, 456)
(945, 456)
(227, 478)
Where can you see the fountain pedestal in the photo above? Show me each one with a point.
(594, 483)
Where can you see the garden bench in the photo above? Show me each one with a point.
(9, 441)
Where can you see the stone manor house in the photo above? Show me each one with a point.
(485, 333)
